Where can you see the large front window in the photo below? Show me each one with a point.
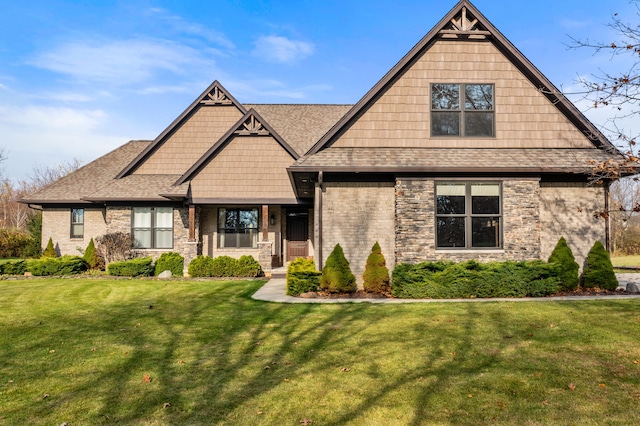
(468, 215)
(152, 227)
(237, 228)
(462, 110)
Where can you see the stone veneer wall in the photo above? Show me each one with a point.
(415, 223)
(356, 215)
(570, 210)
(56, 224)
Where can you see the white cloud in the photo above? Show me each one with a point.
(119, 62)
(282, 49)
(50, 136)
(183, 26)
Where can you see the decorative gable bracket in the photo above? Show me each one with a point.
(216, 97)
(252, 126)
(464, 25)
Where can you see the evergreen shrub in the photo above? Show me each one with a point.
(50, 251)
(140, 267)
(598, 270)
(65, 265)
(569, 268)
(201, 266)
(13, 267)
(247, 266)
(336, 275)
(224, 266)
(376, 273)
(447, 280)
(302, 276)
(94, 261)
(170, 261)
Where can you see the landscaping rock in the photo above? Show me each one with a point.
(28, 274)
(165, 274)
(633, 288)
(309, 295)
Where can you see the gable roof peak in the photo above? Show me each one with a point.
(215, 94)
(251, 124)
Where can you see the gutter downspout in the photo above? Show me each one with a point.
(319, 215)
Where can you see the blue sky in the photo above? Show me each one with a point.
(79, 78)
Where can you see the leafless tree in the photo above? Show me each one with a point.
(619, 90)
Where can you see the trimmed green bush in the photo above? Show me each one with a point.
(247, 266)
(336, 275)
(302, 276)
(201, 266)
(376, 273)
(446, 280)
(170, 261)
(65, 265)
(50, 251)
(140, 267)
(598, 270)
(94, 261)
(13, 267)
(569, 268)
(224, 266)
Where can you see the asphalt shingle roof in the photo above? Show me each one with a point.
(452, 159)
(300, 125)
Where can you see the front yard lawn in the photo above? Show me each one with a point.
(101, 351)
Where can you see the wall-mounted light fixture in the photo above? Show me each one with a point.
(272, 219)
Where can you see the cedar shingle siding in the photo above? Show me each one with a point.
(357, 174)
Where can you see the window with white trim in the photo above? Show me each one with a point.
(468, 215)
(152, 227)
(462, 110)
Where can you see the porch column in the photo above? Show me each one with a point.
(192, 223)
(265, 223)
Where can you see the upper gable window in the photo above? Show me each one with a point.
(462, 110)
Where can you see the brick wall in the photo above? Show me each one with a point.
(56, 224)
(356, 215)
(568, 210)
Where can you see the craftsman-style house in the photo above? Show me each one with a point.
(463, 150)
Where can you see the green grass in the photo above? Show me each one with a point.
(626, 260)
(218, 357)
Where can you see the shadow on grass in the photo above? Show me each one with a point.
(209, 350)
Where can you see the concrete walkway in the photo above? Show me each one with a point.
(274, 291)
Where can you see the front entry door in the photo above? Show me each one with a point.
(297, 234)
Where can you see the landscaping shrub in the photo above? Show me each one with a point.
(446, 280)
(94, 261)
(114, 247)
(170, 261)
(569, 268)
(15, 243)
(376, 273)
(302, 276)
(50, 251)
(140, 267)
(65, 265)
(13, 267)
(247, 266)
(201, 266)
(598, 270)
(336, 275)
(224, 266)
